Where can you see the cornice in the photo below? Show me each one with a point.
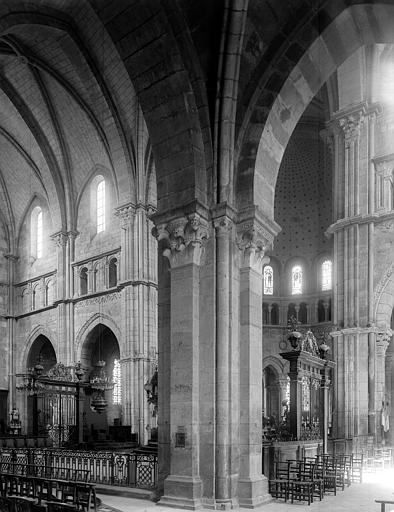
(376, 218)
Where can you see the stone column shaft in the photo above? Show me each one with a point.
(184, 237)
(223, 227)
(252, 484)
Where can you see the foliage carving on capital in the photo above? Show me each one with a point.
(254, 241)
(383, 339)
(60, 239)
(351, 125)
(184, 239)
(125, 214)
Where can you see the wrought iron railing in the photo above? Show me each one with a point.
(109, 468)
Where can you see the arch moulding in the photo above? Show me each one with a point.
(36, 331)
(89, 325)
(384, 299)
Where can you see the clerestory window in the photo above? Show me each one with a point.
(296, 280)
(268, 280)
(37, 233)
(100, 206)
(326, 275)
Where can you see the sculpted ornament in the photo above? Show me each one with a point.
(351, 125)
(254, 240)
(185, 239)
(125, 214)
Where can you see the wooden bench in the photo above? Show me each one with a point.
(383, 504)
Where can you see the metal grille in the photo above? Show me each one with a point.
(120, 469)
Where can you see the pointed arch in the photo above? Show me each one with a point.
(384, 299)
(90, 324)
(38, 330)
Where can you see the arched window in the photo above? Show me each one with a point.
(117, 391)
(296, 280)
(37, 232)
(112, 273)
(268, 280)
(83, 281)
(326, 275)
(100, 206)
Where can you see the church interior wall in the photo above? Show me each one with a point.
(218, 159)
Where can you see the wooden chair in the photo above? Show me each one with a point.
(278, 486)
(356, 468)
(56, 506)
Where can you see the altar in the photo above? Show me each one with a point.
(305, 423)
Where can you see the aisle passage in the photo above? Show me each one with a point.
(357, 498)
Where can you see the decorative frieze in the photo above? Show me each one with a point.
(100, 299)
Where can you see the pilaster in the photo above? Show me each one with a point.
(183, 239)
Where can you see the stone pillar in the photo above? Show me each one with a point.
(12, 259)
(382, 342)
(185, 238)
(253, 239)
(63, 350)
(224, 493)
(137, 272)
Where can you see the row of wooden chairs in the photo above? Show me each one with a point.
(37, 470)
(62, 486)
(16, 504)
(313, 477)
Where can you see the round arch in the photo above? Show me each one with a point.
(262, 143)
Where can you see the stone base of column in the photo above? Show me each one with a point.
(182, 492)
(253, 492)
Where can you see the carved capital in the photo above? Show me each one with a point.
(184, 238)
(351, 125)
(254, 240)
(350, 121)
(60, 239)
(383, 339)
(384, 166)
(125, 214)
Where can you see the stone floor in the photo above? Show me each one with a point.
(357, 497)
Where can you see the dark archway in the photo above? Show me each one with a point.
(271, 397)
(101, 344)
(42, 352)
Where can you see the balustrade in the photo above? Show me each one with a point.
(110, 468)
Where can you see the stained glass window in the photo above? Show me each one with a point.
(296, 280)
(326, 275)
(268, 280)
(117, 391)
